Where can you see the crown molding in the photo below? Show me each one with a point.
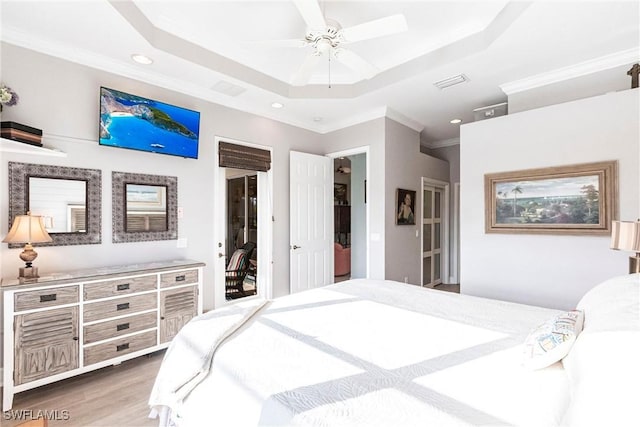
(571, 72)
(103, 63)
(443, 143)
(373, 114)
(404, 120)
(356, 119)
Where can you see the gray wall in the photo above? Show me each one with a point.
(405, 167)
(547, 270)
(369, 134)
(64, 100)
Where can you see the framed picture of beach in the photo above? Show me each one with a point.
(573, 199)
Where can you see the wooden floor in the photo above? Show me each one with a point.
(115, 396)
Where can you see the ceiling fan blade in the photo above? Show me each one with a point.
(356, 63)
(279, 43)
(311, 13)
(380, 27)
(306, 69)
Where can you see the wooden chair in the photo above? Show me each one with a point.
(237, 270)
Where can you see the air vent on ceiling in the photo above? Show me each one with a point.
(228, 88)
(451, 81)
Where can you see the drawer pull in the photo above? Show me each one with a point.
(122, 347)
(123, 306)
(47, 298)
(123, 287)
(180, 278)
(122, 326)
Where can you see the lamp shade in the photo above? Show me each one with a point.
(625, 236)
(27, 229)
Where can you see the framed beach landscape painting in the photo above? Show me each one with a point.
(574, 199)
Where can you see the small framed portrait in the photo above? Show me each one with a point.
(405, 207)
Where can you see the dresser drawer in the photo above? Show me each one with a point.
(112, 288)
(178, 278)
(119, 306)
(45, 298)
(119, 347)
(115, 328)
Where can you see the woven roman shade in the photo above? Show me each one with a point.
(242, 157)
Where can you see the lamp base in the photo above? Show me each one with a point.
(28, 272)
(634, 264)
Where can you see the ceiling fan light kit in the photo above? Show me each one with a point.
(327, 37)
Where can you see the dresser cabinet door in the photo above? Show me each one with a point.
(177, 307)
(46, 343)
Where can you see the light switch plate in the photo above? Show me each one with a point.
(180, 212)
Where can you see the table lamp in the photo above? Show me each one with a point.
(625, 236)
(28, 229)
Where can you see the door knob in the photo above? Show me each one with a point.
(296, 247)
(220, 255)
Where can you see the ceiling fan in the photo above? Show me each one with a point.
(343, 169)
(327, 37)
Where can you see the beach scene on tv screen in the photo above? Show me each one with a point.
(130, 121)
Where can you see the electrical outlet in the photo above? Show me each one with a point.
(180, 213)
(406, 279)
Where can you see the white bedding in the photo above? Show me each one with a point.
(378, 353)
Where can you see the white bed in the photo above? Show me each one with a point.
(361, 352)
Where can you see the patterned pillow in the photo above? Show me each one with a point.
(552, 340)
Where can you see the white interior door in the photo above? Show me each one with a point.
(311, 219)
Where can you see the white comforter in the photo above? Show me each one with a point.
(377, 353)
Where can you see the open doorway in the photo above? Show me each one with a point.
(350, 216)
(242, 233)
(243, 217)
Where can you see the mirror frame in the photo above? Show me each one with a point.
(119, 181)
(19, 174)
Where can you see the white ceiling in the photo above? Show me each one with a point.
(198, 44)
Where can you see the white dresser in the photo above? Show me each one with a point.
(70, 323)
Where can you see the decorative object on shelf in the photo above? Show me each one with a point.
(625, 236)
(405, 207)
(21, 133)
(7, 96)
(573, 199)
(634, 72)
(28, 229)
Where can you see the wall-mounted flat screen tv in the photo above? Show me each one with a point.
(137, 123)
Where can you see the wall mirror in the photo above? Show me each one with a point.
(145, 207)
(61, 203)
(68, 199)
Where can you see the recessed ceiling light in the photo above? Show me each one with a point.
(142, 59)
(317, 119)
(277, 105)
(455, 121)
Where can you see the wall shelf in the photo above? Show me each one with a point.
(10, 146)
